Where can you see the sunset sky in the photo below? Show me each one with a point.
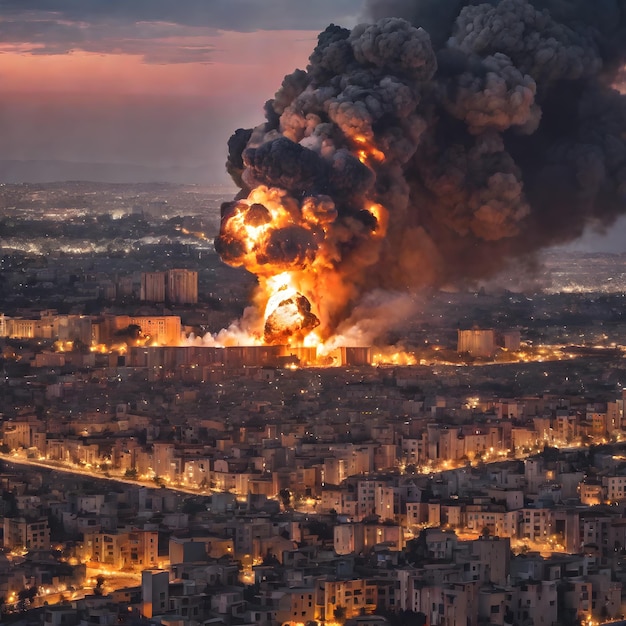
(156, 83)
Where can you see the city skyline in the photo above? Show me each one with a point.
(375, 379)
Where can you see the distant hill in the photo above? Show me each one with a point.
(53, 171)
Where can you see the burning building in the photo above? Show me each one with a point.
(432, 146)
(477, 342)
(237, 357)
(486, 342)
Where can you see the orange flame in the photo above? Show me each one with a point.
(381, 215)
(367, 151)
(301, 292)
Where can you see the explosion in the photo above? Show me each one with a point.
(431, 147)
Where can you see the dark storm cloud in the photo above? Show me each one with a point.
(237, 15)
(155, 42)
(153, 29)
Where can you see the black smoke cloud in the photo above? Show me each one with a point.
(500, 125)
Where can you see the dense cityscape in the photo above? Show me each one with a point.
(313, 314)
(468, 469)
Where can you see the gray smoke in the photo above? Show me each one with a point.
(499, 123)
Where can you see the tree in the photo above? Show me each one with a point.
(340, 613)
(99, 588)
(420, 619)
(320, 529)
(250, 592)
(25, 597)
(270, 559)
(285, 496)
(80, 346)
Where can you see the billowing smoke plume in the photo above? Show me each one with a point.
(429, 147)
